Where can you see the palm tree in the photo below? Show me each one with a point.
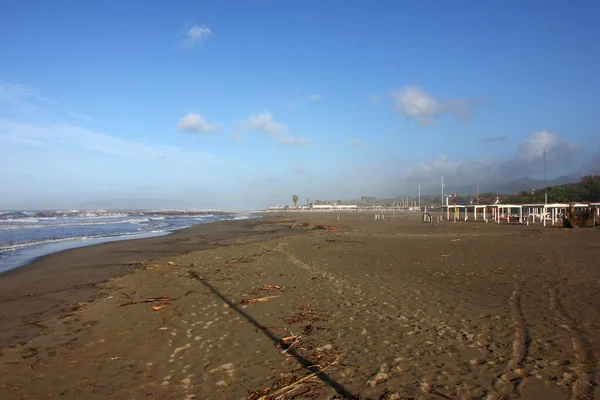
(295, 200)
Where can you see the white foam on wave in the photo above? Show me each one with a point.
(61, 225)
(98, 216)
(133, 221)
(14, 227)
(17, 246)
(27, 220)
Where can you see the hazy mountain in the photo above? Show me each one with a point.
(513, 186)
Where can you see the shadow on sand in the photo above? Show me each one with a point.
(326, 379)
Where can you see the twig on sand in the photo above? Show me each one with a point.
(286, 340)
(257, 300)
(270, 287)
(161, 306)
(290, 338)
(155, 299)
(148, 300)
(271, 328)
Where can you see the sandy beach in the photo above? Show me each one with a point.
(307, 306)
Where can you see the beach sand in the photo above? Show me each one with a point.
(309, 306)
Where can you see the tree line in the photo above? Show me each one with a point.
(587, 190)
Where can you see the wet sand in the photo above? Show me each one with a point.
(52, 285)
(356, 307)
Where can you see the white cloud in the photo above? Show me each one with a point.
(357, 143)
(315, 97)
(195, 123)
(265, 123)
(196, 34)
(414, 103)
(537, 144)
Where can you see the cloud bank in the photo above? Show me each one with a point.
(558, 155)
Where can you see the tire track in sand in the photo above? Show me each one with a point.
(507, 383)
(340, 284)
(582, 387)
(521, 337)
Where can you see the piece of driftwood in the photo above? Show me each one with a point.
(271, 287)
(155, 299)
(257, 300)
(161, 306)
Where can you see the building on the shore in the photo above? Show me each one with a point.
(552, 213)
(335, 207)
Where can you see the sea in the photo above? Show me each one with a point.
(27, 235)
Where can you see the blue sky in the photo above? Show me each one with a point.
(236, 104)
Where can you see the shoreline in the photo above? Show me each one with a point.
(52, 284)
(33, 251)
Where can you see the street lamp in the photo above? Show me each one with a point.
(545, 181)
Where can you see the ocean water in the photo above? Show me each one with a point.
(25, 236)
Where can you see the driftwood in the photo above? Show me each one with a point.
(257, 300)
(161, 306)
(269, 287)
(155, 299)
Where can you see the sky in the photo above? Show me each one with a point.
(241, 104)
